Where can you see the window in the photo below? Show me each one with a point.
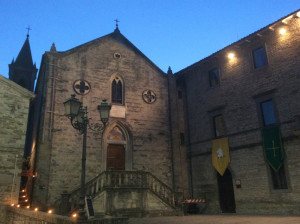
(213, 77)
(22, 83)
(117, 90)
(218, 125)
(179, 94)
(279, 180)
(182, 140)
(268, 113)
(259, 57)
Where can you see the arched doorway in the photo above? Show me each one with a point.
(226, 192)
(117, 153)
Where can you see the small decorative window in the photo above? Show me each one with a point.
(117, 55)
(259, 57)
(214, 77)
(117, 90)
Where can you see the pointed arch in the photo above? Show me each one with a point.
(117, 134)
(117, 89)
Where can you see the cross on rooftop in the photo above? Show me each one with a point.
(28, 28)
(117, 21)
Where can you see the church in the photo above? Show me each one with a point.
(220, 136)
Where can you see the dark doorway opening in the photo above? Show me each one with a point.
(226, 193)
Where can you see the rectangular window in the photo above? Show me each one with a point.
(219, 125)
(182, 140)
(279, 178)
(179, 94)
(214, 77)
(268, 113)
(259, 57)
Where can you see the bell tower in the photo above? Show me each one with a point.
(23, 71)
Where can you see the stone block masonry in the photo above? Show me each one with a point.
(14, 111)
(145, 127)
(237, 97)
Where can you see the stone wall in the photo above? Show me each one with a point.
(181, 178)
(14, 111)
(130, 203)
(236, 99)
(25, 216)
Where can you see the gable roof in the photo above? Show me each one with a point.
(116, 35)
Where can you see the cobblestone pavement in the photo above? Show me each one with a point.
(218, 219)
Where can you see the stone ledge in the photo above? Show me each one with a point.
(24, 216)
(29, 215)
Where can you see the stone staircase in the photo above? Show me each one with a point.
(129, 193)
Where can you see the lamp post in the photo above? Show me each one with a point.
(80, 121)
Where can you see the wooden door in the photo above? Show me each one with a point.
(115, 157)
(226, 192)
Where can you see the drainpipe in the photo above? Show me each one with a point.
(169, 74)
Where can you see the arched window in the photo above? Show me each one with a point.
(22, 83)
(117, 90)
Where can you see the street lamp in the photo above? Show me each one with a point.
(80, 121)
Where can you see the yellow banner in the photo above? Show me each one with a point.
(220, 155)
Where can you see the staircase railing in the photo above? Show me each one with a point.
(126, 179)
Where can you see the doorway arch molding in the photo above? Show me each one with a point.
(127, 142)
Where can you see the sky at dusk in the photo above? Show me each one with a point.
(174, 33)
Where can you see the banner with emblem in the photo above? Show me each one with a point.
(220, 155)
(273, 148)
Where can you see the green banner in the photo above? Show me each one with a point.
(273, 149)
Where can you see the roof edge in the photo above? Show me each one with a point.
(19, 88)
(238, 41)
(114, 34)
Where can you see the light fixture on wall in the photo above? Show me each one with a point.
(231, 55)
(282, 31)
(80, 121)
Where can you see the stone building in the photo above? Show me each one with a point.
(15, 102)
(130, 165)
(240, 94)
(23, 72)
(223, 131)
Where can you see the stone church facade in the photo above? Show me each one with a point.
(136, 138)
(155, 156)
